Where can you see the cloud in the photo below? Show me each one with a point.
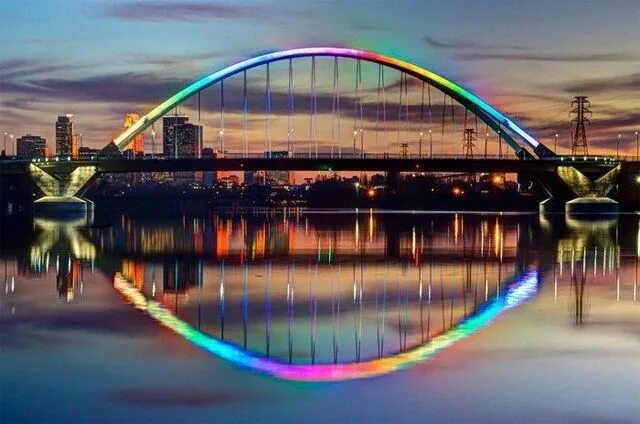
(141, 88)
(170, 60)
(457, 44)
(186, 11)
(21, 68)
(624, 83)
(549, 57)
(166, 10)
(177, 397)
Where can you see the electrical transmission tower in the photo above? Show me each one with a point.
(468, 142)
(580, 107)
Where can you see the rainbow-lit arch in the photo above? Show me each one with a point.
(514, 294)
(492, 117)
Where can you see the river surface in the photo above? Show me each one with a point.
(323, 316)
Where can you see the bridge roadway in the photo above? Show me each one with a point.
(382, 164)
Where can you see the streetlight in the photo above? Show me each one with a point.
(430, 143)
(637, 147)
(4, 150)
(153, 143)
(486, 143)
(555, 144)
(618, 147)
(14, 149)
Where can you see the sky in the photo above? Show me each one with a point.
(101, 59)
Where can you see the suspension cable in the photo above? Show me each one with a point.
(406, 108)
(384, 115)
(444, 112)
(222, 117)
(453, 123)
(290, 108)
(355, 110)
(399, 114)
(333, 105)
(420, 128)
(338, 106)
(267, 140)
(312, 106)
(360, 105)
(378, 107)
(430, 122)
(198, 152)
(245, 112)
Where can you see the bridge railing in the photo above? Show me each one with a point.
(324, 155)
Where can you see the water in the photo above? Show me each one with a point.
(266, 315)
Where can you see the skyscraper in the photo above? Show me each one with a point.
(180, 138)
(66, 144)
(138, 142)
(31, 146)
(171, 134)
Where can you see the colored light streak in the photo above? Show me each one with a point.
(451, 88)
(514, 295)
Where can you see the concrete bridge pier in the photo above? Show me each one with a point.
(63, 193)
(574, 193)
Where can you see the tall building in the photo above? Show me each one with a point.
(66, 143)
(138, 142)
(31, 146)
(171, 134)
(189, 136)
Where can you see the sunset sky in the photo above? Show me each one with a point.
(99, 59)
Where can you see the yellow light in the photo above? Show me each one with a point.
(457, 191)
(371, 192)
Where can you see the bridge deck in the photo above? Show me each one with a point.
(120, 165)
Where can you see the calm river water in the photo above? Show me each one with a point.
(290, 315)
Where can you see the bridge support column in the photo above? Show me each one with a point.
(62, 193)
(587, 196)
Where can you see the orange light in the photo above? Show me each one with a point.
(457, 191)
(498, 179)
(371, 192)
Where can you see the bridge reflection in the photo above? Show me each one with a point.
(322, 296)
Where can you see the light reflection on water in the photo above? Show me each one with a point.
(293, 293)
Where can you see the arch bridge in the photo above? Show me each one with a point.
(374, 113)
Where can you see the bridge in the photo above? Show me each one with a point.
(400, 118)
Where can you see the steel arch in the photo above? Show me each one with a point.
(483, 110)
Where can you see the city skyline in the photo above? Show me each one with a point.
(127, 58)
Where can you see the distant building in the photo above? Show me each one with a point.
(138, 142)
(208, 177)
(180, 138)
(66, 143)
(254, 177)
(277, 178)
(87, 152)
(31, 146)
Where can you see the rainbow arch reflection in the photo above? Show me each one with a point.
(516, 293)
